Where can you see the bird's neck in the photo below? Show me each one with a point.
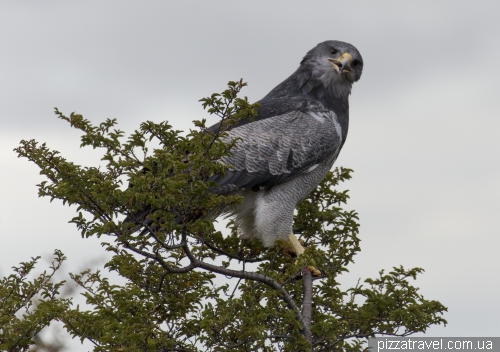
(333, 96)
(330, 89)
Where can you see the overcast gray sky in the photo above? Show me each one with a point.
(423, 137)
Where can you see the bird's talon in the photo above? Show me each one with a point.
(315, 272)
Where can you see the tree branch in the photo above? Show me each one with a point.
(229, 255)
(160, 260)
(307, 303)
(249, 276)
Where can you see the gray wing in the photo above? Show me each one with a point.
(277, 148)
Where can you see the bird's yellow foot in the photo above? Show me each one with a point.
(315, 272)
(294, 251)
(298, 249)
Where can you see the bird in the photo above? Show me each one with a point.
(285, 151)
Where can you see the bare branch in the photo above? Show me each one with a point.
(238, 283)
(307, 303)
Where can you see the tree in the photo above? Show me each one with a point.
(188, 286)
(26, 307)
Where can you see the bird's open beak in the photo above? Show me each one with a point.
(344, 64)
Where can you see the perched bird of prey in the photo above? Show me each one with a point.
(285, 151)
(289, 147)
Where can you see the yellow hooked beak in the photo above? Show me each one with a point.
(343, 64)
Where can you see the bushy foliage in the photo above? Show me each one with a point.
(27, 306)
(190, 287)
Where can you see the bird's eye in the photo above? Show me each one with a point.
(356, 63)
(333, 51)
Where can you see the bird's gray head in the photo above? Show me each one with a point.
(337, 65)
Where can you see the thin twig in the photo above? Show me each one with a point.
(229, 255)
(238, 283)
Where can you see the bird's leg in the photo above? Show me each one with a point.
(299, 249)
(296, 246)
